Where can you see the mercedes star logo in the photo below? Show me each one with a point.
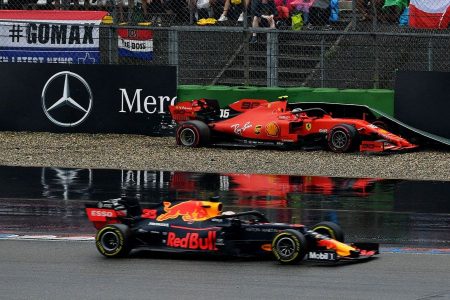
(66, 110)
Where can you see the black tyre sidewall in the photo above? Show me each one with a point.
(351, 135)
(299, 242)
(122, 248)
(190, 127)
(199, 128)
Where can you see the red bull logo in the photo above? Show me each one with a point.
(191, 211)
(193, 241)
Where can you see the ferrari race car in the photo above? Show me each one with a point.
(196, 226)
(279, 123)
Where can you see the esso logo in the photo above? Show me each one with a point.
(101, 213)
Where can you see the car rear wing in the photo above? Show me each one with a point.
(200, 109)
(113, 211)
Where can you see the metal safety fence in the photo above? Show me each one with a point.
(241, 13)
(363, 48)
(313, 59)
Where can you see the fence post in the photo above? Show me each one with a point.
(322, 62)
(114, 46)
(246, 57)
(354, 14)
(376, 71)
(246, 49)
(109, 42)
(374, 16)
(113, 11)
(430, 55)
(173, 50)
(272, 58)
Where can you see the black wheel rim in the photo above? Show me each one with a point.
(285, 247)
(187, 137)
(110, 241)
(339, 139)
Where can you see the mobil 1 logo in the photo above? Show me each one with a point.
(322, 255)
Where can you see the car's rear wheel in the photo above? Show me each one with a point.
(289, 246)
(193, 134)
(113, 240)
(343, 138)
(329, 229)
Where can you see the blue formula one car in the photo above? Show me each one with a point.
(201, 227)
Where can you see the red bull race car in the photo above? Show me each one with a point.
(196, 226)
(256, 122)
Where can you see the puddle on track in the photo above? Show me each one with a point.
(391, 212)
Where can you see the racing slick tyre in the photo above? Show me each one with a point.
(343, 138)
(329, 229)
(289, 247)
(193, 134)
(113, 240)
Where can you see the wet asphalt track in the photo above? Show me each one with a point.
(75, 270)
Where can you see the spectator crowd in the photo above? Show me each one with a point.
(294, 14)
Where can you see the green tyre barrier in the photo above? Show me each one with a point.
(190, 92)
(242, 92)
(271, 93)
(381, 99)
(219, 92)
(323, 95)
(352, 96)
(298, 94)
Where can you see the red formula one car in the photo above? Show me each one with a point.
(196, 226)
(279, 123)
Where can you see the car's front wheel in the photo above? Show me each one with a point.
(289, 246)
(329, 229)
(113, 240)
(343, 138)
